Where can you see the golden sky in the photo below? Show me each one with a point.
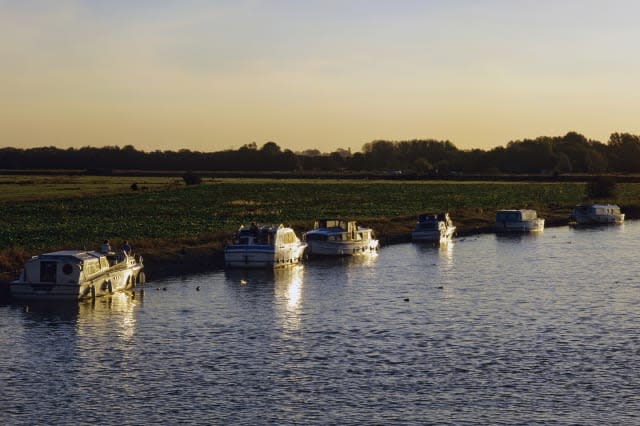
(214, 75)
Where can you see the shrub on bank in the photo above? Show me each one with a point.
(602, 187)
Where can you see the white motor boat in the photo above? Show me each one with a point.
(75, 274)
(336, 237)
(518, 221)
(595, 214)
(433, 228)
(264, 246)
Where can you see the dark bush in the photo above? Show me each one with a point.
(192, 179)
(601, 187)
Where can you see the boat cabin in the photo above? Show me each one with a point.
(428, 221)
(597, 209)
(596, 214)
(338, 230)
(64, 267)
(265, 235)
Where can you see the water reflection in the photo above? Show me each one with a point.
(287, 284)
(599, 227)
(517, 237)
(365, 259)
(443, 251)
(45, 312)
(116, 310)
(288, 291)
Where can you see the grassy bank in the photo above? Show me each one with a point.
(180, 229)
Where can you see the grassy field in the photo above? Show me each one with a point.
(44, 213)
(33, 188)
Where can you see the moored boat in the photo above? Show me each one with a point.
(434, 228)
(523, 220)
(264, 246)
(336, 237)
(76, 274)
(595, 214)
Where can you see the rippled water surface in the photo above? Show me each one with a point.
(489, 330)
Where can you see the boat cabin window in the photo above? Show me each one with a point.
(67, 269)
(316, 237)
(331, 223)
(48, 269)
(288, 238)
(508, 216)
(91, 267)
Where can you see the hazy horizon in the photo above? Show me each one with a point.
(210, 76)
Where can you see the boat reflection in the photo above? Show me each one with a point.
(517, 237)
(116, 311)
(363, 259)
(444, 251)
(86, 315)
(44, 312)
(288, 287)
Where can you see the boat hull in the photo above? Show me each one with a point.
(598, 219)
(536, 225)
(433, 236)
(263, 256)
(107, 283)
(342, 248)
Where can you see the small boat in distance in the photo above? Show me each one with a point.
(264, 246)
(522, 220)
(434, 228)
(595, 214)
(75, 274)
(337, 237)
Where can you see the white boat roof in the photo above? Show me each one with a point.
(599, 206)
(76, 254)
(263, 228)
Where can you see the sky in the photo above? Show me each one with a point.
(215, 75)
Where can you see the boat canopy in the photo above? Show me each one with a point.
(516, 215)
(427, 217)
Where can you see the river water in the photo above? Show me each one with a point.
(532, 329)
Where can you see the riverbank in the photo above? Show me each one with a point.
(167, 258)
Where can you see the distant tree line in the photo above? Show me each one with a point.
(571, 153)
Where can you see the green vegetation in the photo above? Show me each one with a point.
(166, 217)
(222, 205)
